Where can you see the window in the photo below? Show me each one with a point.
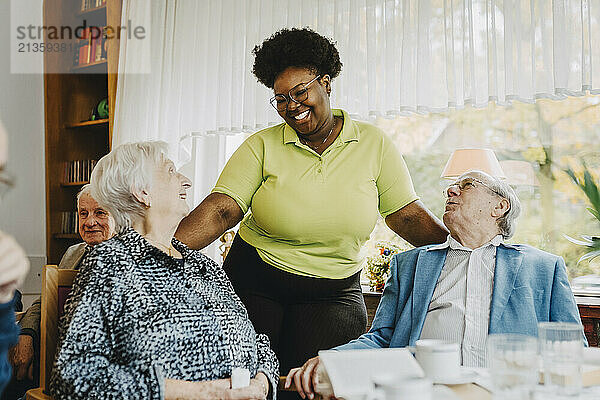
(546, 137)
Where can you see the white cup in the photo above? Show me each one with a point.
(440, 359)
(393, 387)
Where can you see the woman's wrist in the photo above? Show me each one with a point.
(262, 379)
(265, 388)
(179, 389)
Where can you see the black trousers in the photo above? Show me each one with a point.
(301, 315)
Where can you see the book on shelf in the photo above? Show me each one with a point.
(90, 4)
(97, 49)
(68, 222)
(78, 170)
(84, 54)
(90, 48)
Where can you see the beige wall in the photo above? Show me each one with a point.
(22, 213)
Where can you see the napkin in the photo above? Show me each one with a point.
(351, 371)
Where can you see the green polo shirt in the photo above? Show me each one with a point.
(310, 214)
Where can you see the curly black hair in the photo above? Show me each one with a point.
(295, 47)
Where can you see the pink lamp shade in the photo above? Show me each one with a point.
(464, 160)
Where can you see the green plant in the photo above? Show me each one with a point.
(591, 191)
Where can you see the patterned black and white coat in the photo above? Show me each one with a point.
(136, 317)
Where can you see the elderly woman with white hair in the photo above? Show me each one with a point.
(149, 318)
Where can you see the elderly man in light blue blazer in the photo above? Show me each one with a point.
(469, 286)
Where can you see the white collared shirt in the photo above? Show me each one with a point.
(459, 310)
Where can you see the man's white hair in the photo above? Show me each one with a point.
(127, 169)
(507, 222)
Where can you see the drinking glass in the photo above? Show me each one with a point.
(561, 349)
(512, 360)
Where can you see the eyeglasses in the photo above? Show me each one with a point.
(468, 183)
(7, 181)
(297, 94)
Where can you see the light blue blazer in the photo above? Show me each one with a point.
(530, 286)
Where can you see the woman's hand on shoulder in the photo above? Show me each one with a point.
(304, 378)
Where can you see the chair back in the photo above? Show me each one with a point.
(19, 316)
(56, 286)
(227, 241)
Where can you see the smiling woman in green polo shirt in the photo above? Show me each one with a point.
(309, 192)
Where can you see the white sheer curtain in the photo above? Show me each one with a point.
(191, 78)
(399, 56)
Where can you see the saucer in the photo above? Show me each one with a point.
(465, 376)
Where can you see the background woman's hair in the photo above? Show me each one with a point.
(128, 168)
(85, 189)
(295, 47)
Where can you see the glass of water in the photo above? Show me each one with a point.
(561, 349)
(513, 364)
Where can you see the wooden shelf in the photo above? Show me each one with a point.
(89, 66)
(68, 184)
(90, 11)
(70, 236)
(69, 99)
(98, 122)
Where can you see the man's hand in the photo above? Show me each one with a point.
(14, 266)
(21, 358)
(305, 378)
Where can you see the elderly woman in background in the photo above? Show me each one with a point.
(148, 318)
(95, 226)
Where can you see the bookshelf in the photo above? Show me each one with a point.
(69, 184)
(92, 10)
(98, 122)
(72, 139)
(88, 67)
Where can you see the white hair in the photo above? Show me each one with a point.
(85, 189)
(506, 223)
(127, 169)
